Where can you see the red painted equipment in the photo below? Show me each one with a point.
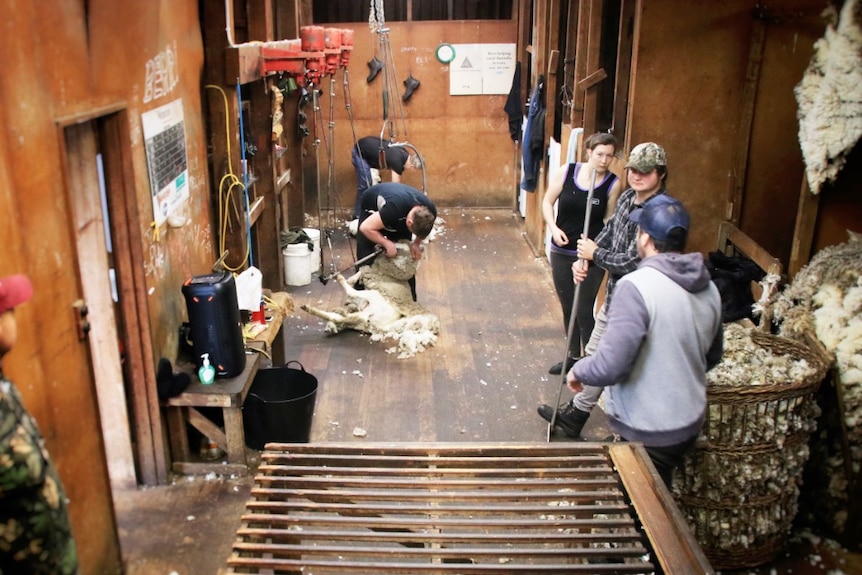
(346, 47)
(313, 43)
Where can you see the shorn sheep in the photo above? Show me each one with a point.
(385, 308)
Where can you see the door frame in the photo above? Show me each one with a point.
(131, 423)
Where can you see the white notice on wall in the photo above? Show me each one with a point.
(167, 162)
(482, 69)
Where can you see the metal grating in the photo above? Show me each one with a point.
(458, 508)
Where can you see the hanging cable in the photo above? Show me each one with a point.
(331, 185)
(224, 195)
(566, 95)
(315, 110)
(390, 96)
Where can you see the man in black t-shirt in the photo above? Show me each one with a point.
(392, 212)
(373, 152)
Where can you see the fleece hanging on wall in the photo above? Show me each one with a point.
(830, 98)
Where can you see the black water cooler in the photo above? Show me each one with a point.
(214, 322)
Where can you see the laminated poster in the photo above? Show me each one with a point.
(481, 69)
(167, 162)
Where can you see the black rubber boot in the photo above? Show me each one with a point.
(569, 419)
(412, 84)
(375, 66)
(557, 368)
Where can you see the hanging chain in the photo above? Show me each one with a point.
(566, 95)
(376, 18)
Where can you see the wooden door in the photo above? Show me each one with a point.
(97, 322)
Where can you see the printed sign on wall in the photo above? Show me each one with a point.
(167, 162)
(482, 69)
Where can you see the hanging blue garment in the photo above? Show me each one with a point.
(534, 137)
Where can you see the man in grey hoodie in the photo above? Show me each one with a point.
(664, 332)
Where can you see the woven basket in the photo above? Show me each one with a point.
(738, 487)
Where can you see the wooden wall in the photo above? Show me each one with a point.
(463, 139)
(715, 88)
(91, 69)
(82, 74)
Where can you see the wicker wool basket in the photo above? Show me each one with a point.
(738, 487)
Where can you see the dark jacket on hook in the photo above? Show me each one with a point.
(534, 137)
(513, 107)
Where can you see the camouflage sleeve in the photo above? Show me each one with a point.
(22, 462)
(35, 532)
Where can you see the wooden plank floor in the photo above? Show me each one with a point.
(501, 328)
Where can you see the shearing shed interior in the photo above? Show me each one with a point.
(368, 405)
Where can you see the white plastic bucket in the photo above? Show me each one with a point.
(297, 264)
(314, 235)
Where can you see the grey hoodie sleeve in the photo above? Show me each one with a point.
(628, 323)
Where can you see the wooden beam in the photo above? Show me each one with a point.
(593, 61)
(222, 107)
(625, 43)
(581, 49)
(261, 23)
(675, 546)
(729, 234)
(570, 43)
(803, 230)
(82, 178)
(256, 209)
(746, 117)
(592, 79)
(553, 63)
(149, 434)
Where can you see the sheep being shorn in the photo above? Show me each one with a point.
(385, 308)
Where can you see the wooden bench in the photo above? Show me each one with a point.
(225, 393)
(229, 395)
(270, 340)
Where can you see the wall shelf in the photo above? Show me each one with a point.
(283, 180)
(256, 209)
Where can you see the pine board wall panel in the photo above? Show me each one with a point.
(463, 139)
(687, 94)
(68, 61)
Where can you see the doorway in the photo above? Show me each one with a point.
(112, 314)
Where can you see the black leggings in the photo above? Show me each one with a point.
(564, 283)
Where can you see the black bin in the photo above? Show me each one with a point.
(279, 406)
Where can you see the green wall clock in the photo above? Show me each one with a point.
(445, 53)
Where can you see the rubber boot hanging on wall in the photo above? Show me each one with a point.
(412, 84)
(375, 66)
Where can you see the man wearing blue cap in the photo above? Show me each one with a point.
(663, 334)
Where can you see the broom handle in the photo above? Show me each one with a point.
(571, 328)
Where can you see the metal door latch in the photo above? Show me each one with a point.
(81, 321)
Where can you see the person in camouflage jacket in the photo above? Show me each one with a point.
(35, 533)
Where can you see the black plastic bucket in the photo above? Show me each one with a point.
(279, 406)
